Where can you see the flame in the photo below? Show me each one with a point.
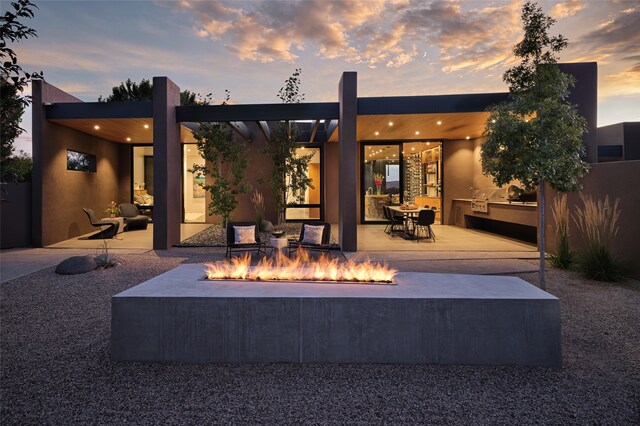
(299, 268)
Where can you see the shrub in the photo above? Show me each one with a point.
(258, 206)
(598, 222)
(563, 256)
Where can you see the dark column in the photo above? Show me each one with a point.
(166, 164)
(347, 194)
(37, 129)
(585, 95)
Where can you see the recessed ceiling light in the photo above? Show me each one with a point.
(128, 139)
(417, 132)
(377, 133)
(146, 126)
(493, 121)
(428, 143)
(387, 157)
(413, 149)
(391, 123)
(468, 137)
(394, 155)
(302, 147)
(96, 127)
(439, 122)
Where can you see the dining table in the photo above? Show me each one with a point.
(407, 213)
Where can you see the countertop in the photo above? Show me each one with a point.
(505, 203)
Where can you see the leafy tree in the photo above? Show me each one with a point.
(289, 172)
(13, 81)
(17, 168)
(536, 135)
(226, 162)
(143, 91)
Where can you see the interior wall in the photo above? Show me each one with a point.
(66, 192)
(605, 179)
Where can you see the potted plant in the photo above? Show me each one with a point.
(112, 210)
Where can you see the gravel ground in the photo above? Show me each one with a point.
(56, 369)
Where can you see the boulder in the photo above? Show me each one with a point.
(267, 226)
(76, 265)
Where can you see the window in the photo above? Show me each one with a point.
(80, 162)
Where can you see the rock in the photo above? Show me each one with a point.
(76, 265)
(267, 226)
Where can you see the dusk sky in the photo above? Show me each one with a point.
(398, 47)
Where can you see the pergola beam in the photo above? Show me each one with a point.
(331, 127)
(264, 128)
(240, 128)
(314, 130)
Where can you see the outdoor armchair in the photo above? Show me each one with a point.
(323, 245)
(132, 217)
(107, 233)
(234, 246)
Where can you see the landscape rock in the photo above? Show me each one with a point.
(267, 226)
(76, 265)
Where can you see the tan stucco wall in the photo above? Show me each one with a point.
(617, 180)
(457, 174)
(65, 192)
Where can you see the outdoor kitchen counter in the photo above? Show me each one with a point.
(522, 213)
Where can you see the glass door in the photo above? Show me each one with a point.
(194, 195)
(380, 177)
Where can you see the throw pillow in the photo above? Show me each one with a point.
(245, 234)
(313, 234)
(138, 199)
(148, 199)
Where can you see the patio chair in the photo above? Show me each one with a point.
(234, 247)
(395, 221)
(323, 246)
(425, 219)
(132, 217)
(108, 233)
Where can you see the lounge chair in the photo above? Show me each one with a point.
(234, 247)
(132, 217)
(323, 246)
(108, 233)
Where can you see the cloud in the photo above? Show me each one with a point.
(567, 8)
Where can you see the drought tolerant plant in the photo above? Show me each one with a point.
(598, 222)
(105, 259)
(226, 162)
(536, 135)
(289, 172)
(258, 206)
(563, 256)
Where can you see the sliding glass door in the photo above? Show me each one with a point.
(307, 205)
(380, 177)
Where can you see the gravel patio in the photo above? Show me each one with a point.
(55, 367)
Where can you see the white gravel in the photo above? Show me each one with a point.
(55, 367)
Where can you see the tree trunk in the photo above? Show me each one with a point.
(541, 239)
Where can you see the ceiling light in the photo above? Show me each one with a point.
(403, 152)
(417, 132)
(391, 123)
(387, 157)
(377, 133)
(413, 149)
(146, 126)
(468, 137)
(394, 155)
(439, 122)
(493, 121)
(302, 147)
(96, 127)
(128, 139)
(427, 143)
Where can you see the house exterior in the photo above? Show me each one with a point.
(367, 150)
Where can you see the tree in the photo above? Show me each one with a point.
(131, 91)
(13, 81)
(536, 135)
(289, 172)
(226, 162)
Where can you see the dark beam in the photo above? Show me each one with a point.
(89, 110)
(257, 112)
(440, 104)
(241, 128)
(264, 128)
(314, 130)
(331, 127)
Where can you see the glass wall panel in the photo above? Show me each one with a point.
(193, 192)
(143, 179)
(306, 205)
(422, 175)
(380, 179)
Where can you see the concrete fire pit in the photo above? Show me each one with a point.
(425, 318)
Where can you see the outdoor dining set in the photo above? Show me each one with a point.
(410, 222)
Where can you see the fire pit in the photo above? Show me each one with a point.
(301, 268)
(423, 318)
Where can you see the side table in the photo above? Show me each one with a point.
(278, 244)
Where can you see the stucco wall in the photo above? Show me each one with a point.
(66, 192)
(618, 180)
(457, 174)
(15, 215)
